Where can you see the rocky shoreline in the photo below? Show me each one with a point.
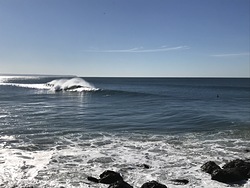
(237, 171)
(233, 172)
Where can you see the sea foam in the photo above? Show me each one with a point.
(73, 84)
(77, 156)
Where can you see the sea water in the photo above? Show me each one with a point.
(57, 131)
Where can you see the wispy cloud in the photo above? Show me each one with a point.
(231, 55)
(140, 50)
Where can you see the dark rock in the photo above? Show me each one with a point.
(120, 184)
(247, 150)
(144, 166)
(109, 177)
(242, 165)
(209, 167)
(237, 163)
(153, 184)
(237, 170)
(93, 179)
(180, 181)
(229, 175)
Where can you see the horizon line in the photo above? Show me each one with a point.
(51, 75)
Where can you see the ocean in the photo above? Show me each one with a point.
(56, 131)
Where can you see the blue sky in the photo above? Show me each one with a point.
(165, 38)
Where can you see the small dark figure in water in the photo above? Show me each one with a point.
(218, 96)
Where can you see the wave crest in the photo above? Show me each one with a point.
(73, 84)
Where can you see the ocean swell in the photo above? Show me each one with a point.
(73, 84)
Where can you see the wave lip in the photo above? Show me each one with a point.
(74, 84)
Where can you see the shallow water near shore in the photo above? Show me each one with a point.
(53, 139)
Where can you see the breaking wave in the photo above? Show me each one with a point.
(72, 84)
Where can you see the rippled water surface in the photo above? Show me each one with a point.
(57, 131)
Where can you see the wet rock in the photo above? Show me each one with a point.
(153, 184)
(228, 175)
(237, 163)
(93, 179)
(242, 165)
(209, 167)
(144, 166)
(233, 171)
(180, 181)
(109, 177)
(120, 184)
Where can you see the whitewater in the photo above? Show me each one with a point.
(73, 84)
(56, 131)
